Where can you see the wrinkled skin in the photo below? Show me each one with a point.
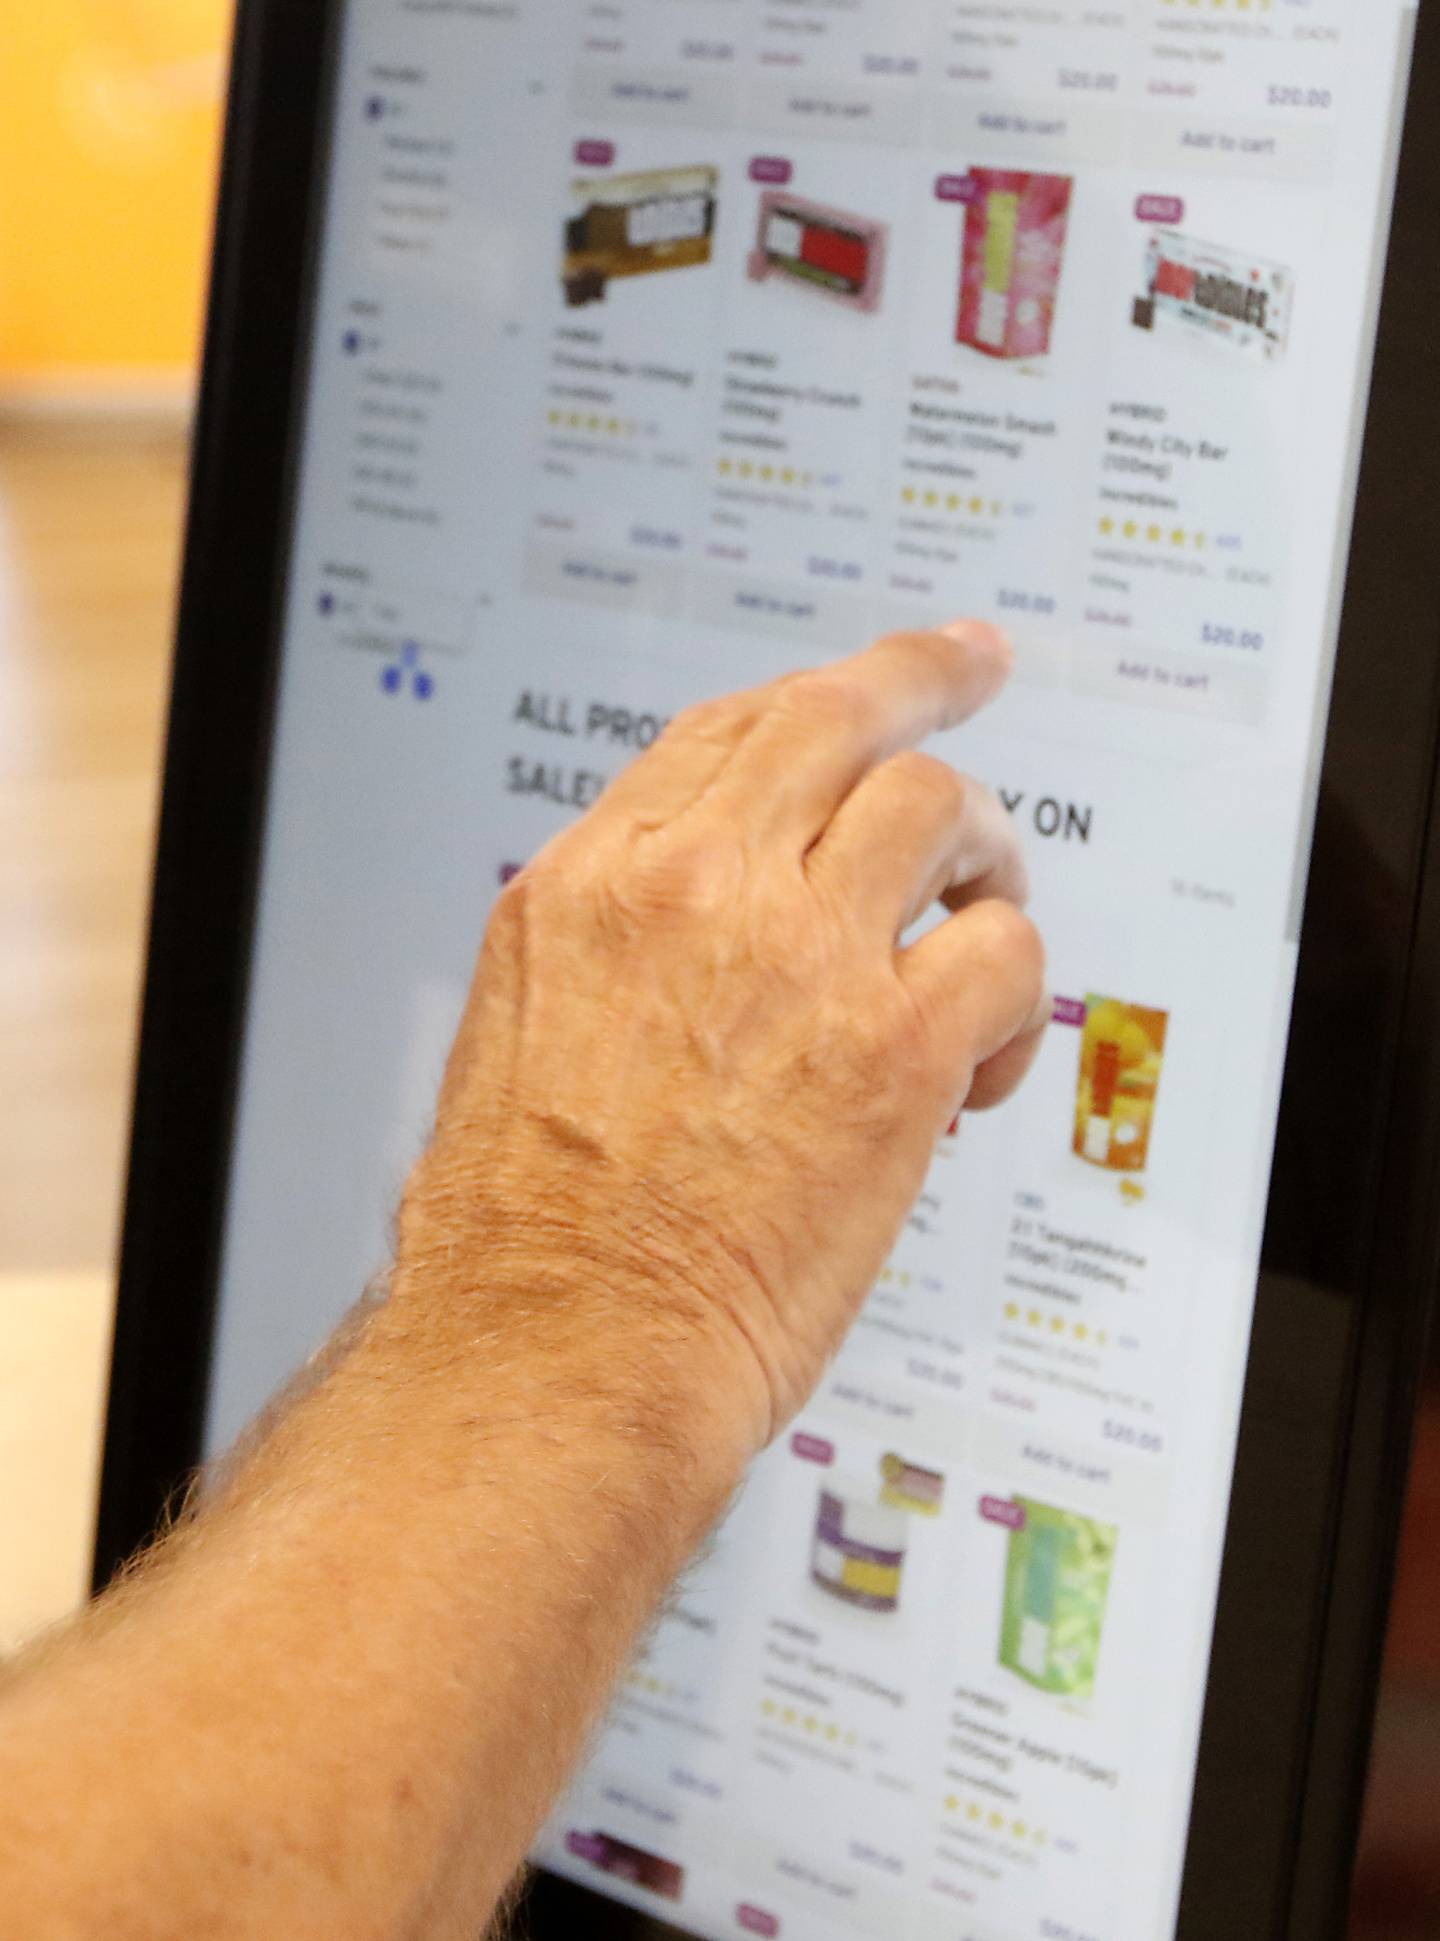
(699, 1053)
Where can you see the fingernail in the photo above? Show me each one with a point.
(980, 635)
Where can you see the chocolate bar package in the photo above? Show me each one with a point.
(1212, 296)
(635, 225)
(836, 254)
(1014, 251)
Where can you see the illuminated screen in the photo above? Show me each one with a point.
(664, 345)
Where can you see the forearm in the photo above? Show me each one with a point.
(345, 1699)
(698, 1083)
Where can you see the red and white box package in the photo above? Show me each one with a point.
(830, 251)
(1214, 296)
(1014, 252)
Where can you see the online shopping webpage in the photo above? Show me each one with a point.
(662, 346)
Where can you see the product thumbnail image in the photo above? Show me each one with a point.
(1014, 251)
(1057, 1587)
(1122, 1051)
(826, 250)
(858, 1554)
(635, 225)
(1219, 297)
(630, 1863)
(908, 1486)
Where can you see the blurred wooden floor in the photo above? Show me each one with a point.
(89, 540)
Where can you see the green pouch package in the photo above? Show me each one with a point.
(1057, 1585)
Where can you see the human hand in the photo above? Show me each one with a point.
(701, 1075)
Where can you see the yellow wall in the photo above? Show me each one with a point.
(109, 122)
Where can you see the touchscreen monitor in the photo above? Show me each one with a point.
(658, 347)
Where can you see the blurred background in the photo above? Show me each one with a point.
(109, 131)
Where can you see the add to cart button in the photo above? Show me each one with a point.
(788, 609)
(559, 572)
(1267, 150)
(1091, 1480)
(841, 1896)
(833, 111)
(662, 97)
(1179, 683)
(1014, 128)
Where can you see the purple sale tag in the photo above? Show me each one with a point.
(1168, 209)
(1071, 1010)
(772, 168)
(995, 1509)
(955, 188)
(593, 154)
(812, 1449)
(755, 1920)
(586, 1846)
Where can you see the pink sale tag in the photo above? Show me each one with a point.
(593, 154)
(772, 168)
(1167, 209)
(812, 1449)
(955, 188)
(995, 1509)
(1071, 1010)
(755, 1920)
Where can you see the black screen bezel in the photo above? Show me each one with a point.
(1340, 1316)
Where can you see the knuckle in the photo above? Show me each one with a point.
(929, 783)
(831, 699)
(691, 877)
(1010, 944)
(703, 721)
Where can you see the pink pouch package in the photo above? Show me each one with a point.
(1014, 249)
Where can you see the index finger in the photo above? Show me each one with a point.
(821, 733)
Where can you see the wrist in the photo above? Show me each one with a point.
(611, 1338)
